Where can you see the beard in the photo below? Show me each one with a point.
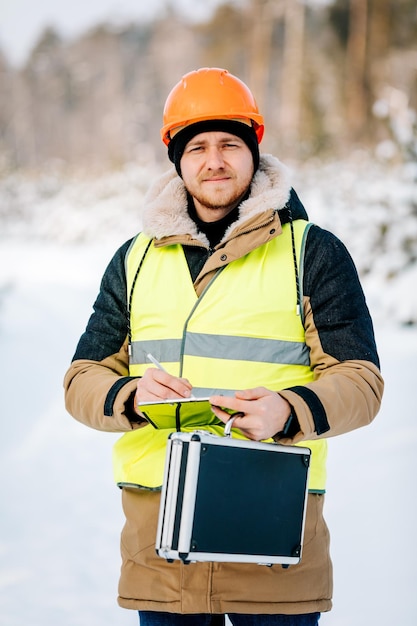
(219, 198)
(221, 201)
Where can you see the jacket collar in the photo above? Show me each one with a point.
(166, 215)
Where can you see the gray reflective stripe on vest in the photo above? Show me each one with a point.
(246, 349)
(223, 347)
(166, 350)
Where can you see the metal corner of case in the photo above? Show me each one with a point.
(184, 557)
(164, 552)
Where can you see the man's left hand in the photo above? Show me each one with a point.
(264, 411)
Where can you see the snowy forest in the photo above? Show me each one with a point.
(328, 77)
(336, 82)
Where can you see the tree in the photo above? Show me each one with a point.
(356, 96)
(292, 73)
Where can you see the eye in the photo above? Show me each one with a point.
(194, 149)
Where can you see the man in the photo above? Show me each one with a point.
(239, 297)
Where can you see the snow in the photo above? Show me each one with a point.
(60, 514)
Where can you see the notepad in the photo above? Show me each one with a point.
(195, 411)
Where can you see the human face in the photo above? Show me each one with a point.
(217, 169)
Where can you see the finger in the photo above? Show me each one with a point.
(158, 384)
(225, 402)
(252, 426)
(252, 394)
(178, 386)
(223, 416)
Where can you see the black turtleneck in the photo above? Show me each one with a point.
(214, 231)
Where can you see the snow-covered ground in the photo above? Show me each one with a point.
(60, 514)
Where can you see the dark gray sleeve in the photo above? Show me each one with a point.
(341, 315)
(107, 327)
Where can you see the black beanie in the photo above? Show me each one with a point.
(247, 133)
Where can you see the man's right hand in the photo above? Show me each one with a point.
(156, 384)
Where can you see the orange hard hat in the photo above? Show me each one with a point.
(209, 93)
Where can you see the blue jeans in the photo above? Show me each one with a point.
(151, 618)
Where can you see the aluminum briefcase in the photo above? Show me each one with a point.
(232, 500)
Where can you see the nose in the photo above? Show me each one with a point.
(214, 159)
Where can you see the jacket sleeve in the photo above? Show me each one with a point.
(347, 389)
(98, 390)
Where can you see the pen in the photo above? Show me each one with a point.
(159, 366)
(155, 362)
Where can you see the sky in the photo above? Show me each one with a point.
(22, 21)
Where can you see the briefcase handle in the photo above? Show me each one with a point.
(229, 423)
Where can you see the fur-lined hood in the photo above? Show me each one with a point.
(165, 213)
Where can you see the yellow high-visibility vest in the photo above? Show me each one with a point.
(243, 331)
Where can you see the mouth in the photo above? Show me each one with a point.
(216, 179)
